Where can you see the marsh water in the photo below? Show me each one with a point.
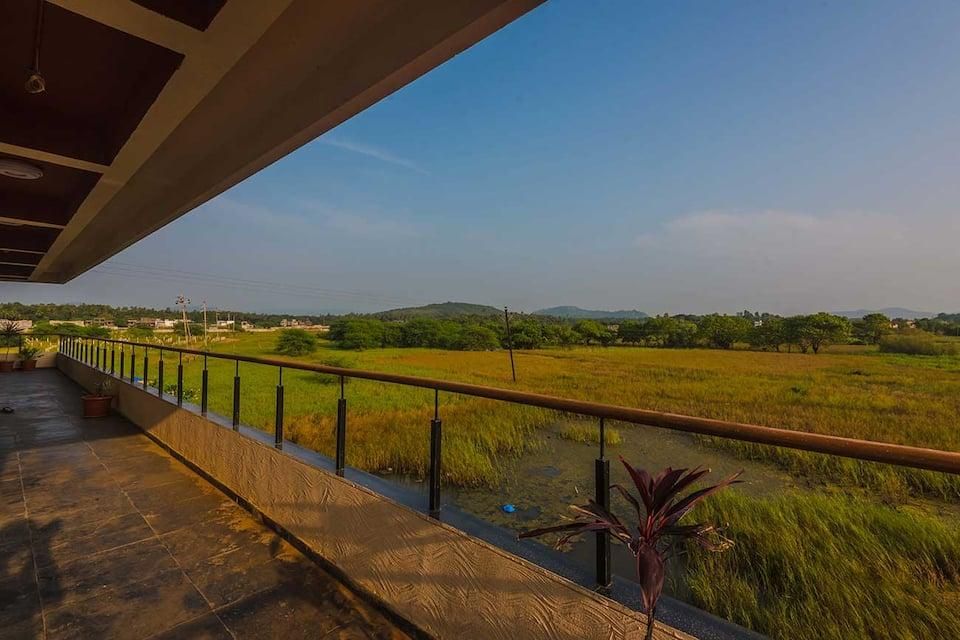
(542, 484)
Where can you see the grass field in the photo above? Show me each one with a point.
(859, 550)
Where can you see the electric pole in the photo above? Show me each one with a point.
(506, 317)
(183, 302)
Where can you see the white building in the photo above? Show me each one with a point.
(21, 325)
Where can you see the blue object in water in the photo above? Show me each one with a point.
(508, 508)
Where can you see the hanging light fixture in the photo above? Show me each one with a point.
(35, 82)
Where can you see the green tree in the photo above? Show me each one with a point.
(822, 329)
(361, 333)
(420, 332)
(474, 337)
(560, 334)
(770, 334)
(526, 334)
(723, 331)
(296, 342)
(872, 327)
(631, 332)
(593, 332)
(682, 334)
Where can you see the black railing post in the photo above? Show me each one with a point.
(203, 388)
(83, 351)
(602, 479)
(133, 364)
(341, 459)
(98, 355)
(435, 438)
(122, 361)
(236, 398)
(146, 366)
(180, 381)
(113, 359)
(160, 375)
(278, 432)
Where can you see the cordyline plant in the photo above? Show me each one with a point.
(658, 535)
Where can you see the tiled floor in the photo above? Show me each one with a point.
(105, 535)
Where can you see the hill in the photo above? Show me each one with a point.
(440, 310)
(593, 314)
(890, 312)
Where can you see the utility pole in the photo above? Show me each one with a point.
(204, 325)
(506, 317)
(183, 302)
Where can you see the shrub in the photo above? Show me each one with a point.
(917, 344)
(296, 342)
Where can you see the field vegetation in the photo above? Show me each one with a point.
(858, 550)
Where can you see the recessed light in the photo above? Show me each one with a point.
(19, 170)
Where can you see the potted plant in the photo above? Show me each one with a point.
(9, 334)
(28, 357)
(97, 404)
(658, 536)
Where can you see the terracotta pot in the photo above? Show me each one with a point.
(6, 365)
(28, 365)
(96, 406)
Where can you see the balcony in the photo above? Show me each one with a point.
(103, 534)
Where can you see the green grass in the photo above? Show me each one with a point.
(830, 566)
(589, 434)
(846, 559)
(855, 392)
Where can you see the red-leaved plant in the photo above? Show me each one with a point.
(658, 535)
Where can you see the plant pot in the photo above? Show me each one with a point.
(6, 366)
(96, 406)
(28, 365)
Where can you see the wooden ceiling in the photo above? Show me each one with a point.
(152, 107)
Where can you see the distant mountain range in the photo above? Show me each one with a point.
(440, 310)
(890, 312)
(593, 314)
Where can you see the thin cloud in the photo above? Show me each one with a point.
(778, 260)
(374, 152)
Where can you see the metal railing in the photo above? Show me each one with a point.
(93, 351)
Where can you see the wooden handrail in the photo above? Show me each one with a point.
(895, 454)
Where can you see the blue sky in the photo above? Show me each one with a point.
(671, 157)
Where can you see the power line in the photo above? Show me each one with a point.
(262, 286)
(134, 268)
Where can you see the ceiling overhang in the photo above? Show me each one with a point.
(154, 107)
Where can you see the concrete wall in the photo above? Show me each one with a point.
(44, 361)
(446, 582)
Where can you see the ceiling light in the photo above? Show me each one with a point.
(35, 82)
(19, 170)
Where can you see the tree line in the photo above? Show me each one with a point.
(45, 312)
(805, 333)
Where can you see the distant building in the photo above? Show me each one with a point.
(151, 323)
(76, 323)
(246, 326)
(292, 322)
(226, 324)
(22, 325)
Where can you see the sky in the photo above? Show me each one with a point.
(679, 157)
